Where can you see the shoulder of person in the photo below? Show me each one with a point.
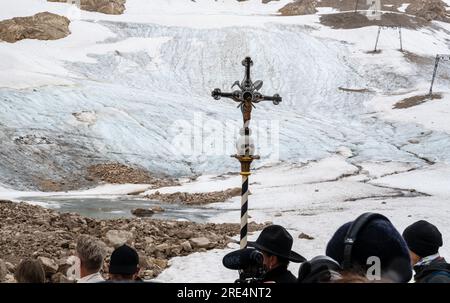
(442, 276)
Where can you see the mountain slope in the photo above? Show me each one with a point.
(135, 89)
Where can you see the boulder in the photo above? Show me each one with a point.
(10, 267)
(49, 265)
(118, 238)
(299, 7)
(161, 263)
(142, 212)
(201, 242)
(162, 247)
(42, 26)
(110, 7)
(186, 246)
(184, 234)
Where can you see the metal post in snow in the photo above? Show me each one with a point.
(247, 95)
(436, 64)
(378, 37)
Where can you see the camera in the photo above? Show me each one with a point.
(249, 262)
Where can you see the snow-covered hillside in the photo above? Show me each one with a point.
(119, 87)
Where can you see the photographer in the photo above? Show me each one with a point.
(275, 244)
(267, 260)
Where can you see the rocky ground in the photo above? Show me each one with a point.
(42, 26)
(427, 10)
(351, 20)
(299, 7)
(195, 198)
(116, 173)
(33, 231)
(93, 175)
(110, 7)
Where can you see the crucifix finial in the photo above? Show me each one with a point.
(248, 93)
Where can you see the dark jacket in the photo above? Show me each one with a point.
(438, 271)
(280, 274)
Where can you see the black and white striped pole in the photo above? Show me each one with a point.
(247, 95)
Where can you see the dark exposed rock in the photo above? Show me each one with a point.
(305, 236)
(42, 26)
(299, 7)
(142, 212)
(110, 7)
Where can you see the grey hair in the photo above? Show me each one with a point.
(91, 252)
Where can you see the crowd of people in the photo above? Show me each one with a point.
(366, 250)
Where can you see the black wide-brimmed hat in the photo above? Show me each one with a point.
(276, 240)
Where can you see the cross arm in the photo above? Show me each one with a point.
(217, 94)
(276, 99)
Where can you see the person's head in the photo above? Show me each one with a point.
(423, 239)
(371, 245)
(320, 269)
(30, 271)
(275, 243)
(271, 261)
(124, 264)
(92, 253)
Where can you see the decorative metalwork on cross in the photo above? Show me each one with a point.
(247, 95)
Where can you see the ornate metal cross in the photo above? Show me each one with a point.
(247, 95)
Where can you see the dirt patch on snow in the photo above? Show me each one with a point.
(417, 59)
(421, 8)
(32, 231)
(353, 20)
(416, 100)
(195, 198)
(42, 26)
(46, 185)
(117, 173)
